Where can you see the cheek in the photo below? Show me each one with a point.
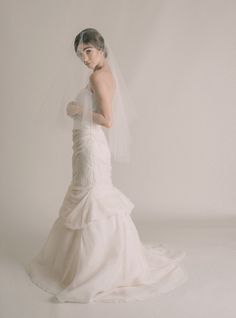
(95, 57)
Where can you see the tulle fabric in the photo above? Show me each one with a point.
(93, 252)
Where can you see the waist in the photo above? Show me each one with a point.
(87, 128)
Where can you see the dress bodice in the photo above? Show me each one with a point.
(84, 96)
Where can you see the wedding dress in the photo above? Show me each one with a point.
(93, 252)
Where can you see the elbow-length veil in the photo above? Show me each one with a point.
(69, 84)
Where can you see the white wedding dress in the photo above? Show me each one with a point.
(93, 252)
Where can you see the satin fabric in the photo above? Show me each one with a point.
(93, 252)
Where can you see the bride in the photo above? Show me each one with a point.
(93, 252)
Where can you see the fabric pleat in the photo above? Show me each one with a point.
(93, 252)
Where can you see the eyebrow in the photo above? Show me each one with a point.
(88, 47)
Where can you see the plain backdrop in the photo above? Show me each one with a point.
(178, 58)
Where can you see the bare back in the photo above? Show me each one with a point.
(107, 77)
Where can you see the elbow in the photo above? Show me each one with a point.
(106, 121)
(108, 124)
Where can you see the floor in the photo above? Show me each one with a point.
(210, 291)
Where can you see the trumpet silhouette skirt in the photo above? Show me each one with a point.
(93, 252)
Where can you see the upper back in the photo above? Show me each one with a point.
(105, 76)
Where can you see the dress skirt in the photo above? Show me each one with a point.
(93, 252)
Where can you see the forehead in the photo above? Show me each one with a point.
(83, 46)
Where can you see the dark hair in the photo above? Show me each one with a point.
(92, 36)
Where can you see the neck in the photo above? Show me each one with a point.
(100, 65)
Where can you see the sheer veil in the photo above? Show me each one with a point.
(70, 83)
(119, 136)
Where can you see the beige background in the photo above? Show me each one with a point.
(179, 61)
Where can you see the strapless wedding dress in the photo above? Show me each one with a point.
(93, 252)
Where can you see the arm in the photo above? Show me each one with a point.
(73, 110)
(104, 99)
(101, 120)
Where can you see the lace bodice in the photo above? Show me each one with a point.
(84, 94)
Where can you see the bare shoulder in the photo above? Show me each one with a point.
(101, 79)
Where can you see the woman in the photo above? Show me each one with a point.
(93, 252)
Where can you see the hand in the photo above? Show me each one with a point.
(73, 109)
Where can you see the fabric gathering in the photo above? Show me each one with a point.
(93, 252)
